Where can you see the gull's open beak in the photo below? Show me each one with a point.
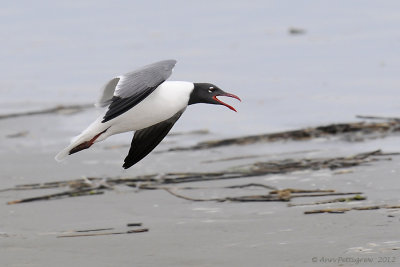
(225, 104)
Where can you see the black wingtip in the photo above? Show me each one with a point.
(127, 165)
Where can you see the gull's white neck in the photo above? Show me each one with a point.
(177, 90)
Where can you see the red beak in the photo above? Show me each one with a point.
(225, 104)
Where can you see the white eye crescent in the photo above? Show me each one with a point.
(211, 89)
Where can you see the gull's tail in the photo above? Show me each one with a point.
(85, 140)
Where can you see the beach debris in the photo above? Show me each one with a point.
(296, 31)
(88, 186)
(61, 109)
(142, 230)
(276, 195)
(258, 156)
(342, 172)
(194, 132)
(17, 135)
(378, 118)
(104, 231)
(93, 230)
(335, 210)
(342, 199)
(343, 210)
(3, 234)
(246, 185)
(71, 193)
(357, 131)
(133, 224)
(292, 165)
(90, 183)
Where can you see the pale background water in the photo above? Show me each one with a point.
(347, 62)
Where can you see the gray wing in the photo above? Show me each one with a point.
(126, 91)
(145, 140)
(108, 93)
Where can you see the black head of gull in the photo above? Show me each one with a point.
(207, 93)
(145, 102)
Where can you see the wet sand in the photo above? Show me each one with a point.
(182, 232)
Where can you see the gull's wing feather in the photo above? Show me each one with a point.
(126, 91)
(108, 93)
(145, 140)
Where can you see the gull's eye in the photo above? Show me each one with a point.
(211, 89)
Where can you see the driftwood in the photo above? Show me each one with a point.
(58, 109)
(358, 129)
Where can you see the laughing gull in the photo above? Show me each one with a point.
(144, 102)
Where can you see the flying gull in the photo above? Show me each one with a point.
(144, 102)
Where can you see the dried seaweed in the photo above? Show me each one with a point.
(257, 156)
(194, 132)
(279, 195)
(93, 185)
(84, 183)
(71, 193)
(336, 200)
(296, 31)
(343, 210)
(18, 134)
(357, 129)
(58, 109)
(142, 230)
(378, 118)
(104, 231)
(133, 224)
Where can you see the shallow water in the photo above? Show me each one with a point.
(345, 64)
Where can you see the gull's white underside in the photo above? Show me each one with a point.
(166, 100)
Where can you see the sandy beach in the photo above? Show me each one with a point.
(188, 233)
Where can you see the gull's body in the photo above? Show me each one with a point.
(169, 98)
(144, 102)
